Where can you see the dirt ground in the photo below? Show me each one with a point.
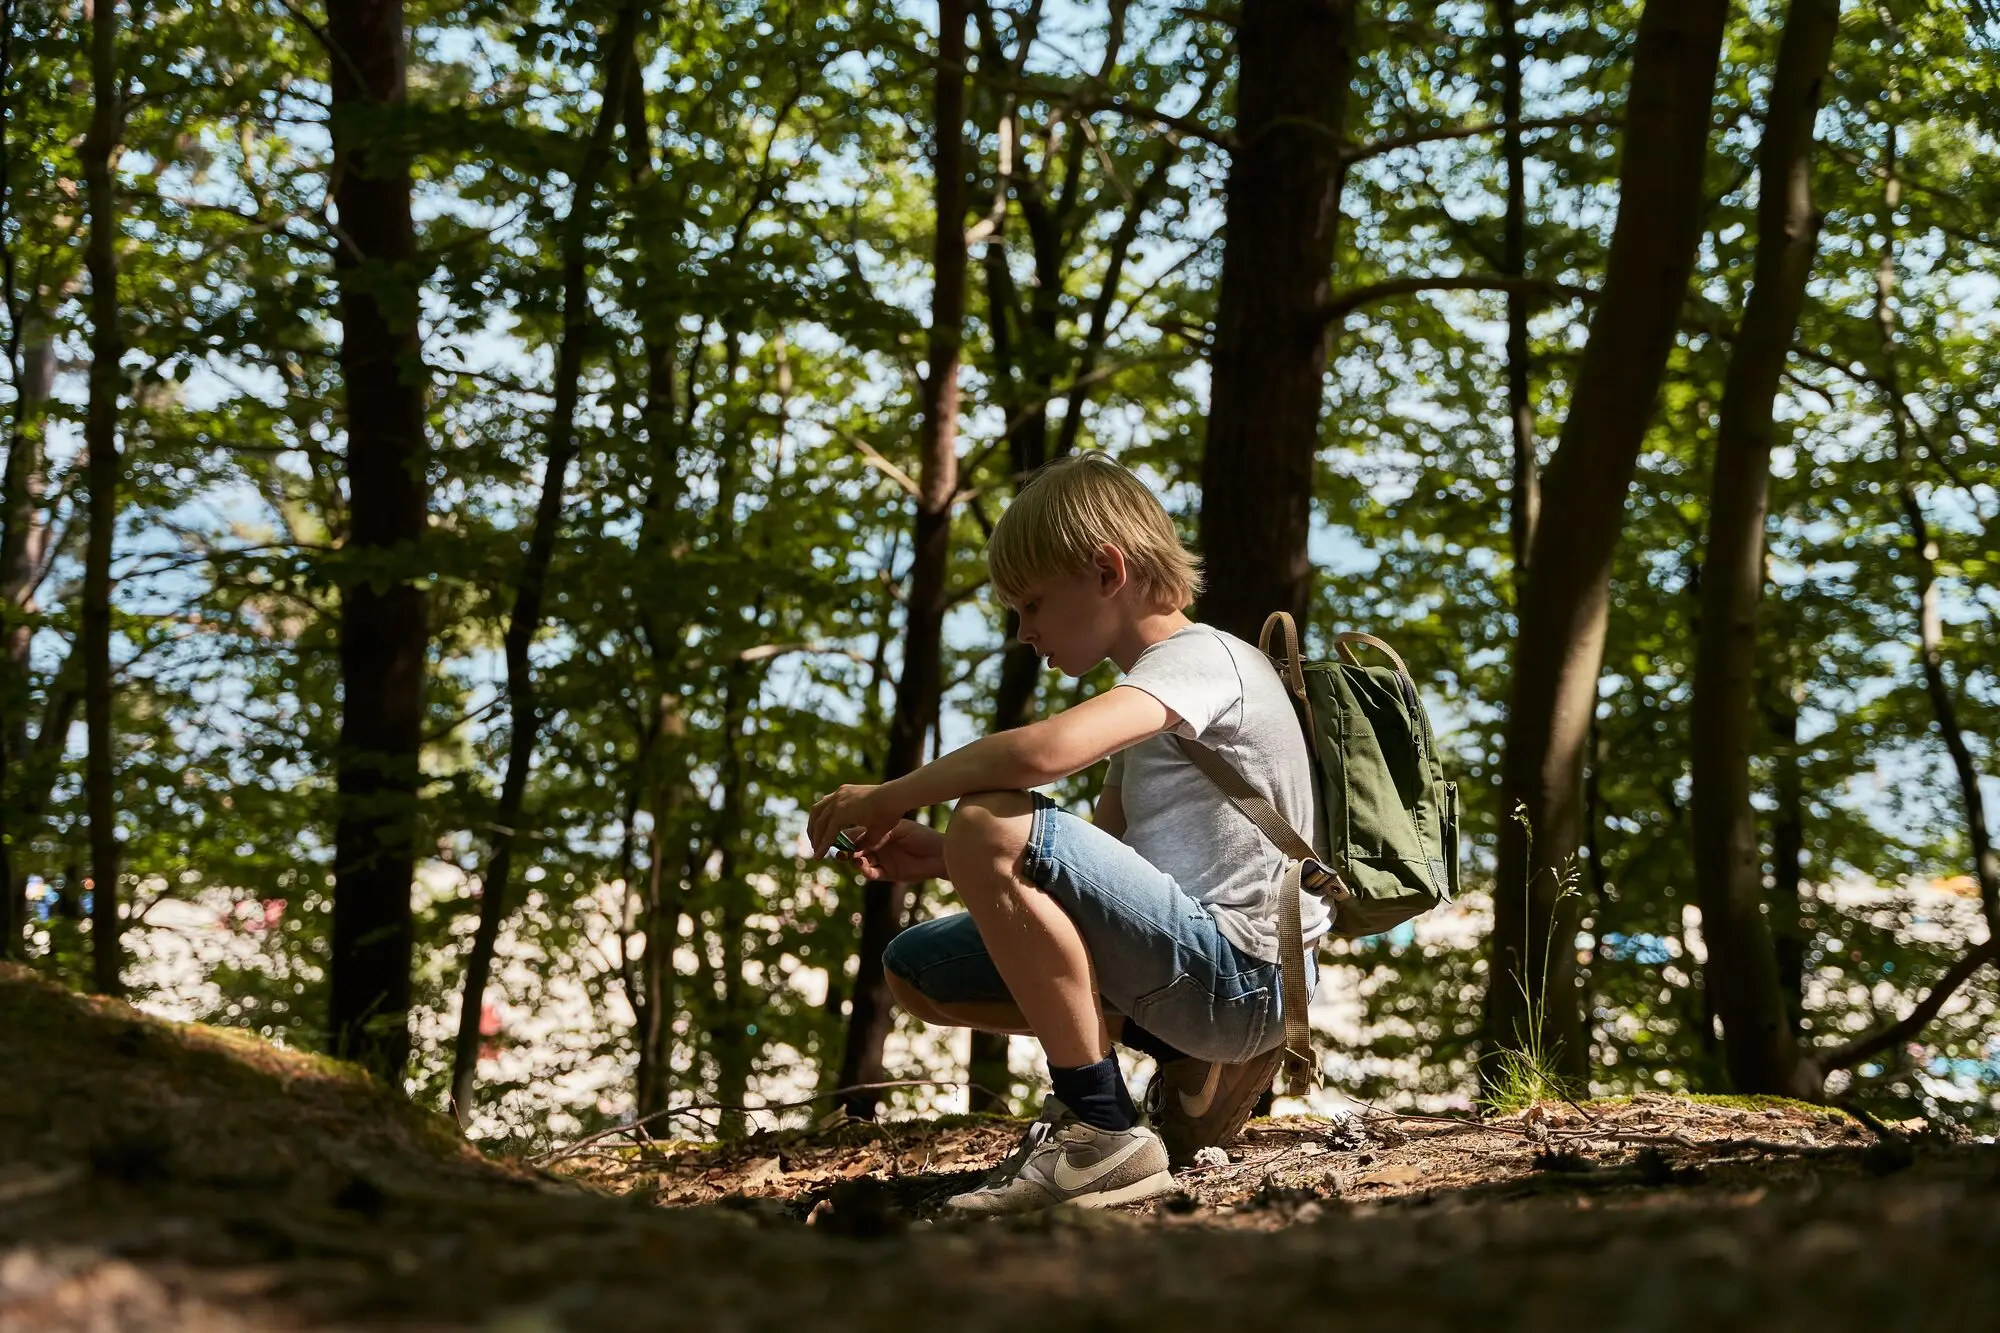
(160, 1177)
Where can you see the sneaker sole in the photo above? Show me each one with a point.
(1152, 1187)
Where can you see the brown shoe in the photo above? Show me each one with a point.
(1196, 1104)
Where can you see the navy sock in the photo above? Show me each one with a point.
(1144, 1042)
(1096, 1094)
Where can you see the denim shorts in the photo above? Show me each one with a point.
(1161, 959)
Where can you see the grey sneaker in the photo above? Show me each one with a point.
(1196, 1104)
(1063, 1160)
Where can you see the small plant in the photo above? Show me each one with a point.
(1526, 1072)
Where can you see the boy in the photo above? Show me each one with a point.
(1156, 925)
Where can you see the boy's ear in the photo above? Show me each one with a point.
(1112, 575)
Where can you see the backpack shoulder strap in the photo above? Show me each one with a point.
(1238, 789)
(1299, 1063)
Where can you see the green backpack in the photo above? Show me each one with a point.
(1388, 820)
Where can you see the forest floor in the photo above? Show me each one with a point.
(155, 1176)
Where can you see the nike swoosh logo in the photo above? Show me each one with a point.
(1196, 1107)
(1069, 1179)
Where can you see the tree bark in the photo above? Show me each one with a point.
(24, 534)
(384, 619)
(730, 1035)
(1564, 606)
(1268, 366)
(1791, 928)
(663, 792)
(616, 64)
(101, 443)
(1525, 497)
(1742, 969)
(918, 684)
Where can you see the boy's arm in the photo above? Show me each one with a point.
(1015, 760)
(1039, 753)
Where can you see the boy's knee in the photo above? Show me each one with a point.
(988, 822)
(901, 982)
(898, 966)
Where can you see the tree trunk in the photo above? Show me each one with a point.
(918, 685)
(616, 65)
(1930, 631)
(1525, 504)
(730, 1036)
(1564, 606)
(1791, 927)
(663, 792)
(384, 630)
(1742, 970)
(659, 980)
(24, 535)
(1985, 863)
(101, 443)
(1268, 366)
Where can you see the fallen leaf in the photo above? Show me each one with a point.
(1392, 1175)
(760, 1171)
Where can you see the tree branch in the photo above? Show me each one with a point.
(764, 652)
(1071, 99)
(1395, 143)
(874, 459)
(1347, 302)
(1854, 1052)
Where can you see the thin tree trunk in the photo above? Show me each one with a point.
(918, 685)
(1742, 970)
(1985, 864)
(1930, 630)
(101, 442)
(1596, 822)
(659, 979)
(384, 619)
(1791, 928)
(1564, 606)
(525, 619)
(987, 1070)
(1268, 367)
(664, 794)
(735, 1052)
(878, 673)
(1525, 497)
(23, 536)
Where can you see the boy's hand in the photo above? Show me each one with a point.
(852, 806)
(911, 852)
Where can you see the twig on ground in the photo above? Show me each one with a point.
(695, 1108)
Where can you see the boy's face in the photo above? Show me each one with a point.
(1073, 620)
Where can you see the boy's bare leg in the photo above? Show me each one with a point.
(1003, 1017)
(1035, 946)
(984, 1015)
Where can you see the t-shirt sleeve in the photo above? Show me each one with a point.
(1115, 775)
(1194, 675)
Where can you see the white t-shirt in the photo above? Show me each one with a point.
(1230, 699)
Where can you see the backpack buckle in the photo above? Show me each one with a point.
(1324, 882)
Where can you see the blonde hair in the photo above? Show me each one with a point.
(1070, 507)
